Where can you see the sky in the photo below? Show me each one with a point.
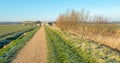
(48, 10)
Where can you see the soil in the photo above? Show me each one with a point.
(35, 51)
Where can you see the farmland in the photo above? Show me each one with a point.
(59, 31)
(11, 32)
(63, 47)
(9, 29)
(14, 40)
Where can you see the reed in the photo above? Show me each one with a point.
(97, 28)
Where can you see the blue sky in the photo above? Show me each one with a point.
(47, 10)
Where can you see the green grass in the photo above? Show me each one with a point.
(12, 32)
(7, 53)
(7, 29)
(62, 51)
(92, 50)
(87, 50)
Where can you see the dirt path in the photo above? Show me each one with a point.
(35, 51)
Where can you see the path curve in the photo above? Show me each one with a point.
(35, 51)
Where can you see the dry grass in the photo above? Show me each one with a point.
(95, 28)
(96, 51)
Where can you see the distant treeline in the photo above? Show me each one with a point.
(6, 23)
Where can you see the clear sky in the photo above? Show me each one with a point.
(47, 10)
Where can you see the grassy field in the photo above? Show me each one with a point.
(65, 47)
(8, 29)
(59, 50)
(12, 32)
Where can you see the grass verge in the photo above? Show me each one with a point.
(62, 51)
(7, 54)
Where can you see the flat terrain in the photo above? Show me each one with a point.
(5, 29)
(35, 51)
